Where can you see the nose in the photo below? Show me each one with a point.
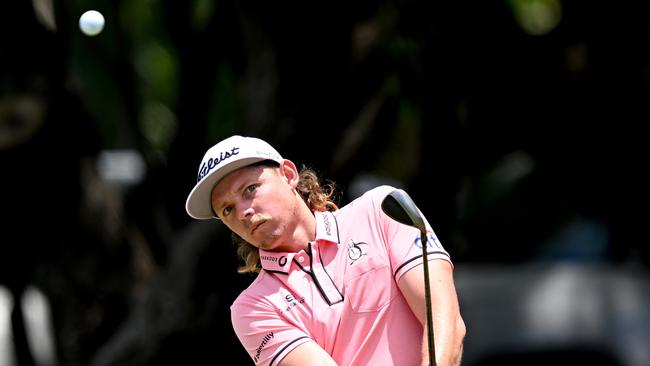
(246, 213)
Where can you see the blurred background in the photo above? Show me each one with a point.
(518, 127)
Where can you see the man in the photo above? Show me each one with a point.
(335, 286)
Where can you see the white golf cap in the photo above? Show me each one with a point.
(221, 159)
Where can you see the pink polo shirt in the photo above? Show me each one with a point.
(341, 293)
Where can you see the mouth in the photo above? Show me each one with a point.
(256, 221)
(256, 225)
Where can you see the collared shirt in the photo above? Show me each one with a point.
(341, 292)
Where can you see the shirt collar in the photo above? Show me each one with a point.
(326, 227)
(326, 230)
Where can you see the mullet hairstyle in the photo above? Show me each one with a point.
(317, 196)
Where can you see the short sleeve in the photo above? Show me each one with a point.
(264, 333)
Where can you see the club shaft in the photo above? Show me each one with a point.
(427, 299)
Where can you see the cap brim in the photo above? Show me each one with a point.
(199, 201)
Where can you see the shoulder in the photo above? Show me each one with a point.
(379, 192)
(372, 196)
(367, 205)
(254, 294)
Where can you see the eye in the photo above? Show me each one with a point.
(251, 188)
(226, 211)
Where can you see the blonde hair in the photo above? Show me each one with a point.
(317, 196)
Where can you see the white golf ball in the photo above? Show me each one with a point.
(91, 22)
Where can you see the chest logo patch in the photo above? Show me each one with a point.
(356, 250)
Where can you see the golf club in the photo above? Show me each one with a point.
(399, 206)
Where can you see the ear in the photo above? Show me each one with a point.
(290, 173)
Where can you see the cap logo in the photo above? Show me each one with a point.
(268, 154)
(212, 163)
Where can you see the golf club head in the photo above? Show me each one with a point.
(399, 206)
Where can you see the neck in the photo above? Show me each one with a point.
(305, 229)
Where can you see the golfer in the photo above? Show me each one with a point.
(334, 286)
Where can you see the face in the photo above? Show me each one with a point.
(259, 204)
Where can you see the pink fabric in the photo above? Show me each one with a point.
(342, 294)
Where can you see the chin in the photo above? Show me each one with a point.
(269, 245)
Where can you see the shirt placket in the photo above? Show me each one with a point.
(311, 264)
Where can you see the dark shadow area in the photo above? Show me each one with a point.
(519, 132)
(562, 356)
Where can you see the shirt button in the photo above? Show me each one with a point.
(301, 259)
